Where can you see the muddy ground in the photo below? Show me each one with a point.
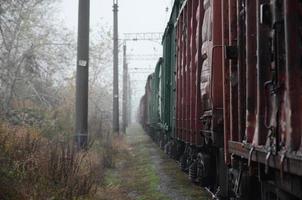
(143, 172)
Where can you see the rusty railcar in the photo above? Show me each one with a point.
(262, 107)
(145, 107)
(199, 89)
(238, 110)
(188, 56)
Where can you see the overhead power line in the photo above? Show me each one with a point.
(148, 36)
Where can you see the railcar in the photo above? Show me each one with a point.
(140, 114)
(199, 101)
(229, 96)
(149, 112)
(155, 102)
(262, 100)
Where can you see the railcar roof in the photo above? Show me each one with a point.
(177, 4)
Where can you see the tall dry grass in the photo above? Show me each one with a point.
(34, 167)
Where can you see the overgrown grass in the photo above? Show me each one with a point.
(133, 176)
(188, 188)
(136, 177)
(142, 177)
(34, 167)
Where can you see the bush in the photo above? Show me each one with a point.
(34, 167)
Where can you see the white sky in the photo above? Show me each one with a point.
(134, 16)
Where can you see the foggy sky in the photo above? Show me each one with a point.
(134, 16)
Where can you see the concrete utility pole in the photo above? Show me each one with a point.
(125, 90)
(129, 110)
(115, 69)
(82, 75)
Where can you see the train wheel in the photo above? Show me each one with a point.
(204, 169)
(193, 172)
(168, 148)
(183, 162)
(179, 151)
(173, 150)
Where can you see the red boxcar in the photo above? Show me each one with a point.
(199, 102)
(263, 104)
(239, 66)
(239, 97)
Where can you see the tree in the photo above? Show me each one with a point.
(37, 64)
(33, 52)
(100, 81)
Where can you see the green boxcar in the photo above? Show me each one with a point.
(165, 84)
(154, 101)
(155, 95)
(168, 71)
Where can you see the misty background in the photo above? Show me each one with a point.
(135, 16)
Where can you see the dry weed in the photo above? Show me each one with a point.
(34, 167)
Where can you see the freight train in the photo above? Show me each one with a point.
(225, 99)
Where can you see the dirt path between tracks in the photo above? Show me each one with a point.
(143, 172)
